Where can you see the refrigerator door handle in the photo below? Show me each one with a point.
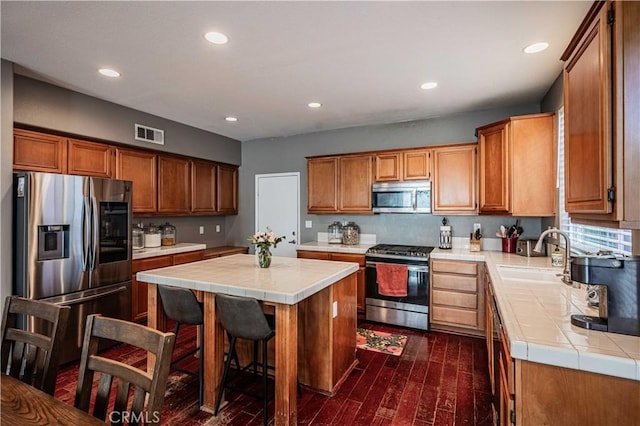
(86, 231)
(95, 234)
(92, 297)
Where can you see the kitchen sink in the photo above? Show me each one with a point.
(529, 274)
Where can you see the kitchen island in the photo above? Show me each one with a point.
(315, 309)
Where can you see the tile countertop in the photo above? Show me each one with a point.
(335, 248)
(165, 250)
(288, 280)
(536, 319)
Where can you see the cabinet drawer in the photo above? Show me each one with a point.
(460, 300)
(192, 256)
(466, 268)
(458, 317)
(455, 282)
(321, 255)
(344, 257)
(151, 263)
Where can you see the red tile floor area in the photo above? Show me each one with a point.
(440, 379)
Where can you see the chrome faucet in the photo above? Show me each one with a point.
(566, 270)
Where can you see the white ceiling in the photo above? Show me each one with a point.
(363, 60)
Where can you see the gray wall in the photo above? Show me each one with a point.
(287, 154)
(51, 107)
(6, 179)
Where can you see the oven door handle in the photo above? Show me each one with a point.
(411, 268)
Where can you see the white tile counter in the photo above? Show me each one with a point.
(165, 250)
(537, 319)
(335, 248)
(287, 280)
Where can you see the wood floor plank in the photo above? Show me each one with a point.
(439, 379)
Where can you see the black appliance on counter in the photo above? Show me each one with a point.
(618, 280)
(72, 247)
(411, 310)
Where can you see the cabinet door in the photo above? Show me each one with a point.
(322, 185)
(494, 176)
(417, 165)
(39, 152)
(203, 186)
(174, 185)
(139, 291)
(587, 126)
(188, 257)
(388, 166)
(360, 275)
(90, 159)
(227, 189)
(356, 178)
(454, 180)
(140, 168)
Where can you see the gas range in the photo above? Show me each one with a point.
(396, 251)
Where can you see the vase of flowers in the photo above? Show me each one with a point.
(264, 241)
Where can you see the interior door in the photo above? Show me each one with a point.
(278, 208)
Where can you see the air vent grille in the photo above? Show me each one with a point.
(149, 134)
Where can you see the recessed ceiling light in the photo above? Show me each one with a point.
(536, 47)
(216, 37)
(108, 72)
(232, 119)
(314, 104)
(429, 85)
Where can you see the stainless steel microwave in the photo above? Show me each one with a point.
(402, 197)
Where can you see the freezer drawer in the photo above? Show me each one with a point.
(111, 301)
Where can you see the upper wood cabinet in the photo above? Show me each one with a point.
(90, 159)
(340, 184)
(203, 186)
(417, 164)
(601, 109)
(140, 168)
(174, 184)
(413, 164)
(227, 188)
(356, 177)
(517, 166)
(322, 185)
(39, 152)
(454, 180)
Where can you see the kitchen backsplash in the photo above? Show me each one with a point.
(188, 228)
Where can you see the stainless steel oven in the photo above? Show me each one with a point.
(411, 310)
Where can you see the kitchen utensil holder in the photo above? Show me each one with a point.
(509, 245)
(474, 244)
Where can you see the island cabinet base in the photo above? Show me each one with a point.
(549, 395)
(327, 342)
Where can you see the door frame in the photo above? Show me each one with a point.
(271, 175)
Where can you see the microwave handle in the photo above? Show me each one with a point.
(414, 197)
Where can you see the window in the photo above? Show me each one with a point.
(586, 238)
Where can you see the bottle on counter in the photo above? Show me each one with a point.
(335, 233)
(152, 236)
(168, 234)
(137, 237)
(350, 233)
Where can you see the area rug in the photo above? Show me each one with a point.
(379, 341)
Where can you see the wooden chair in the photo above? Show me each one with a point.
(149, 386)
(29, 356)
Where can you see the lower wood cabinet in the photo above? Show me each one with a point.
(343, 257)
(139, 289)
(456, 295)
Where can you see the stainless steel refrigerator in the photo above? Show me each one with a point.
(72, 246)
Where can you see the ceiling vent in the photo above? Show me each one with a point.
(149, 134)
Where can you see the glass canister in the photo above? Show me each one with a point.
(151, 236)
(350, 233)
(335, 233)
(137, 237)
(168, 233)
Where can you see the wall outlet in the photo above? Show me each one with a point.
(308, 224)
(476, 227)
(217, 228)
(335, 309)
(201, 230)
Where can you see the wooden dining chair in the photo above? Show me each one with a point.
(149, 386)
(31, 356)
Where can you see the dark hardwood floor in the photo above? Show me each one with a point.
(440, 379)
